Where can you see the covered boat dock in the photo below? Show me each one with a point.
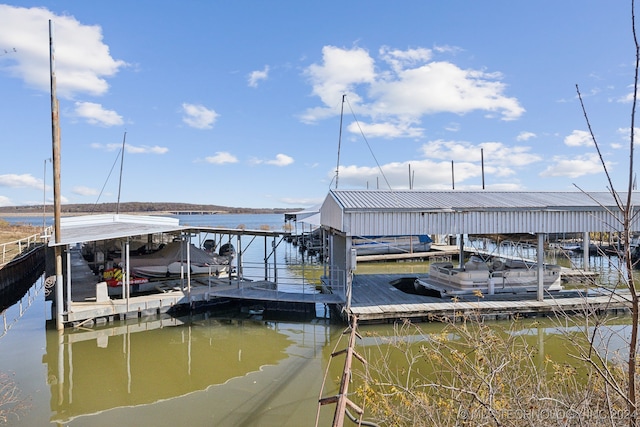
(83, 296)
(346, 214)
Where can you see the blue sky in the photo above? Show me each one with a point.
(238, 103)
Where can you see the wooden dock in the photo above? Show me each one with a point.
(88, 303)
(375, 299)
(437, 252)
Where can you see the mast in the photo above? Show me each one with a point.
(482, 161)
(340, 138)
(124, 138)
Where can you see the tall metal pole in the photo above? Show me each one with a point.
(55, 136)
(482, 162)
(44, 196)
(124, 138)
(340, 139)
(453, 181)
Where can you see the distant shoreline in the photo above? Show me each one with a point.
(50, 214)
(135, 208)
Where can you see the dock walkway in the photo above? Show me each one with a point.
(375, 299)
(86, 303)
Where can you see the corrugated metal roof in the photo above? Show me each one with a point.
(384, 212)
(90, 228)
(473, 200)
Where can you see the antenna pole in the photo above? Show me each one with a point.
(453, 182)
(340, 138)
(482, 161)
(124, 138)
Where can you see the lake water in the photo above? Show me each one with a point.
(196, 370)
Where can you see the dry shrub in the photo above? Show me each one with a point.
(474, 374)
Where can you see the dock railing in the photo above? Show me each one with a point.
(295, 278)
(16, 248)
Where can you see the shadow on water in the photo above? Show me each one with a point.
(11, 295)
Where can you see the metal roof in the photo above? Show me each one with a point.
(90, 228)
(473, 200)
(410, 212)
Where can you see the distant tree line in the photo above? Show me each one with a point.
(138, 207)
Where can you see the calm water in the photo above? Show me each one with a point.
(193, 370)
(198, 370)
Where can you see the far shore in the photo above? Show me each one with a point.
(50, 215)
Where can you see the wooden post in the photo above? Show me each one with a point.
(55, 136)
(341, 400)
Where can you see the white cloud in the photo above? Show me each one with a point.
(625, 134)
(20, 181)
(588, 164)
(84, 191)
(132, 149)
(82, 60)
(579, 138)
(5, 201)
(495, 153)
(339, 72)
(256, 76)
(401, 59)
(386, 130)
(411, 86)
(426, 174)
(145, 149)
(280, 160)
(221, 157)
(434, 172)
(95, 114)
(525, 136)
(198, 116)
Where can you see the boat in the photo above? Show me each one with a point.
(571, 246)
(114, 278)
(171, 260)
(488, 277)
(382, 245)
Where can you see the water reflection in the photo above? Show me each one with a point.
(93, 371)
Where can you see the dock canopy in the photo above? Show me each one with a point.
(411, 212)
(308, 216)
(91, 228)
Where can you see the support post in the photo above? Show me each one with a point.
(540, 266)
(189, 269)
(68, 249)
(585, 250)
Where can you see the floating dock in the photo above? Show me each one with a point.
(376, 298)
(90, 300)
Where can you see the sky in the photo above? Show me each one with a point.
(271, 104)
